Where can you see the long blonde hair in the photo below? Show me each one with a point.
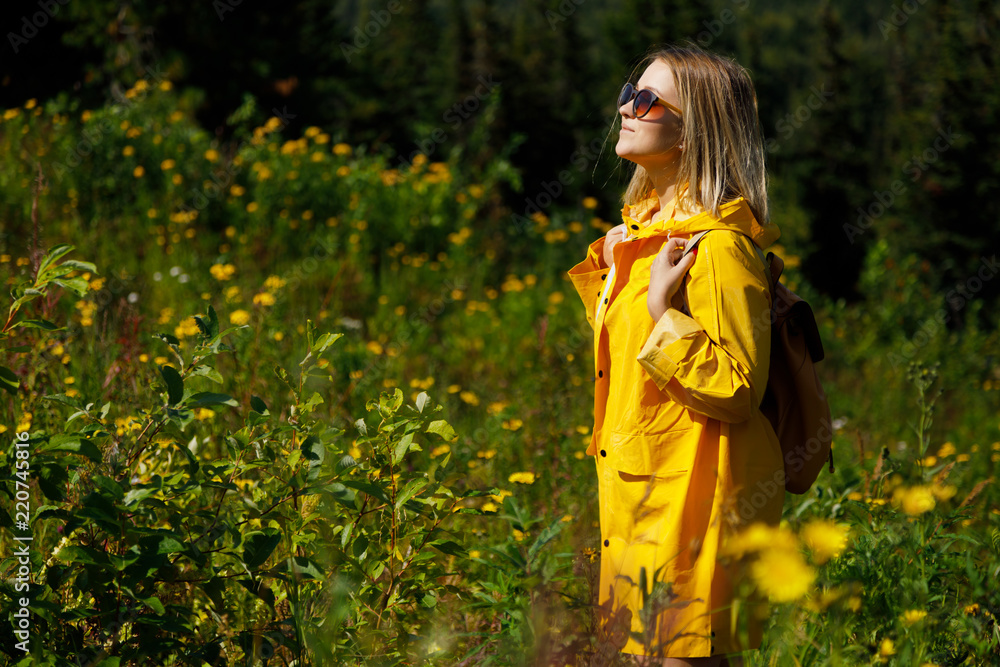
(723, 155)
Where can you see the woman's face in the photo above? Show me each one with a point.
(651, 141)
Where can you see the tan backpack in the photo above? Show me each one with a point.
(794, 401)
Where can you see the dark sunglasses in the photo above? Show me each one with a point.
(644, 100)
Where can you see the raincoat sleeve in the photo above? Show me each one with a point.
(587, 277)
(716, 361)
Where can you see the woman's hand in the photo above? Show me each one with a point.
(666, 274)
(612, 238)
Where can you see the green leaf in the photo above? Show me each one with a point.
(53, 254)
(448, 547)
(175, 385)
(38, 324)
(422, 399)
(311, 404)
(71, 401)
(323, 342)
(548, 534)
(389, 404)
(443, 429)
(19, 348)
(313, 450)
(283, 374)
(258, 405)
(169, 339)
(361, 426)
(154, 604)
(258, 546)
(203, 398)
(73, 444)
(207, 372)
(77, 265)
(410, 490)
(8, 380)
(78, 286)
(209, 329)
(401, 448)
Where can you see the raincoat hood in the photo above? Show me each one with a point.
(735, 215)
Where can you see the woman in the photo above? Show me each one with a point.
(679, 441)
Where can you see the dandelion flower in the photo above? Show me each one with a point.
(887, 648)
(759, 536)
(440, 449)
(915, 500)
(783, 574)
(263, 299)
(825, 539)
(912, 616)
(522, 477)
(947, 449)
(239, 317)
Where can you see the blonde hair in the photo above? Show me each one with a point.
(723, 155)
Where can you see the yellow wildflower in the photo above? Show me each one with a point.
(440, 449)
(912, 616)
(760, 536)
(783, 574)
(590, 202)
(239, 317)
(498, 497)
(947, 449)
(222, 271)
(825, 539)
(167, 164)
(887, 648)
(914, 500)
(522, 477)
(201, 414)
(263, 299)
(187, 327)
(341, 149)
(469, 397)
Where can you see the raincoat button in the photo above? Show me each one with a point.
(605, 300)
(635, 226)
(603, 453)
(606, 543)
(604, 276)
(600, 374)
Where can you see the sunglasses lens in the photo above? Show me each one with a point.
(643, 103)
(626, 94)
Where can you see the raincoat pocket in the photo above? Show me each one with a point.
(647, 453)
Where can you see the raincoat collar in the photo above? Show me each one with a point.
(735, 215)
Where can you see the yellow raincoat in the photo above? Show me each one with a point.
(683, 454)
